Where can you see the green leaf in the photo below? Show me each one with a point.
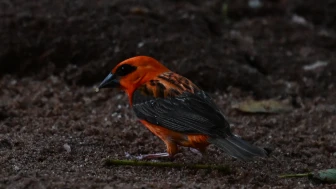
(325, 176)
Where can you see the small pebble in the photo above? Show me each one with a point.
(16, 168)
(67, 148)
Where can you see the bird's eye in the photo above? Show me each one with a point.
(125, 69)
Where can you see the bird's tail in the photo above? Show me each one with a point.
(238, 148)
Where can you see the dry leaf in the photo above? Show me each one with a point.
(263, 106)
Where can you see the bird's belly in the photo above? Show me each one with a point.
(188, 140)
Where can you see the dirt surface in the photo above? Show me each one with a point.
(55, 130)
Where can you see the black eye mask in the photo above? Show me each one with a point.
(124, 70)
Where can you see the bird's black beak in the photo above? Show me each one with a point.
(109, 82)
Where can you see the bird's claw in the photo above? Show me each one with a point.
(146, 156)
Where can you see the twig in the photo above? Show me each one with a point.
(296, 175)
(327, 176)
(109, 162)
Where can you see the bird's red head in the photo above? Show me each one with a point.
(131, 73)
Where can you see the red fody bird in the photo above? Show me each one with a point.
(175, 109)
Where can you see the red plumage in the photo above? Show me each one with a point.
(175, 109)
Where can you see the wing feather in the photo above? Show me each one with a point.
(192, 113)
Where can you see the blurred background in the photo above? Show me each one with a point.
(55, 129)
(249, 44)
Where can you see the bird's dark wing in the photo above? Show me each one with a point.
(192, 113)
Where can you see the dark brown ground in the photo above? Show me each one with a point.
(52, 54)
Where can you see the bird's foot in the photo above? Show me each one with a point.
(152, 156)
(149, 156)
